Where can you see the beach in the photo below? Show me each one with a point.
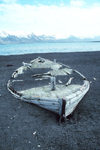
(25, 126)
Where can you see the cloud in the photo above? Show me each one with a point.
(9, 1)
(61, 21)
(77, 3)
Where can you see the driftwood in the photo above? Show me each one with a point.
(9, 65)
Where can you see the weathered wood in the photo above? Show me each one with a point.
(63, 111)
(63, 103)
(53, 83)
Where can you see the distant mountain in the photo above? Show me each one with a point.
(13, 39)
(32, 38)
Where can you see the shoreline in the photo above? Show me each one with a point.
(50, 53)
(26, 126)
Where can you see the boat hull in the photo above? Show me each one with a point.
(62, 106)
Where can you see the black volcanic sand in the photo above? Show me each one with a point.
(24, 126)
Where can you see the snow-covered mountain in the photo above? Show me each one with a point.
(32, 38)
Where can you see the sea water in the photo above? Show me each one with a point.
(15, 49)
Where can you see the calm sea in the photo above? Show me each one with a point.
(12, 49)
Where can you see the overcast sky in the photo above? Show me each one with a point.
(60, 18)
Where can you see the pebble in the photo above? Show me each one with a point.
(29, 142)
(94, 78)
(19, 107)
(39, 146)
(34, 133)
(12, 117)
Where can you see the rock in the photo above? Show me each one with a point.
(9, 65)
(94, 78)
(39, 146)
(34, 133)
(29, 142)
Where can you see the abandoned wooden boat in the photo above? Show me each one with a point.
(50, 85)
